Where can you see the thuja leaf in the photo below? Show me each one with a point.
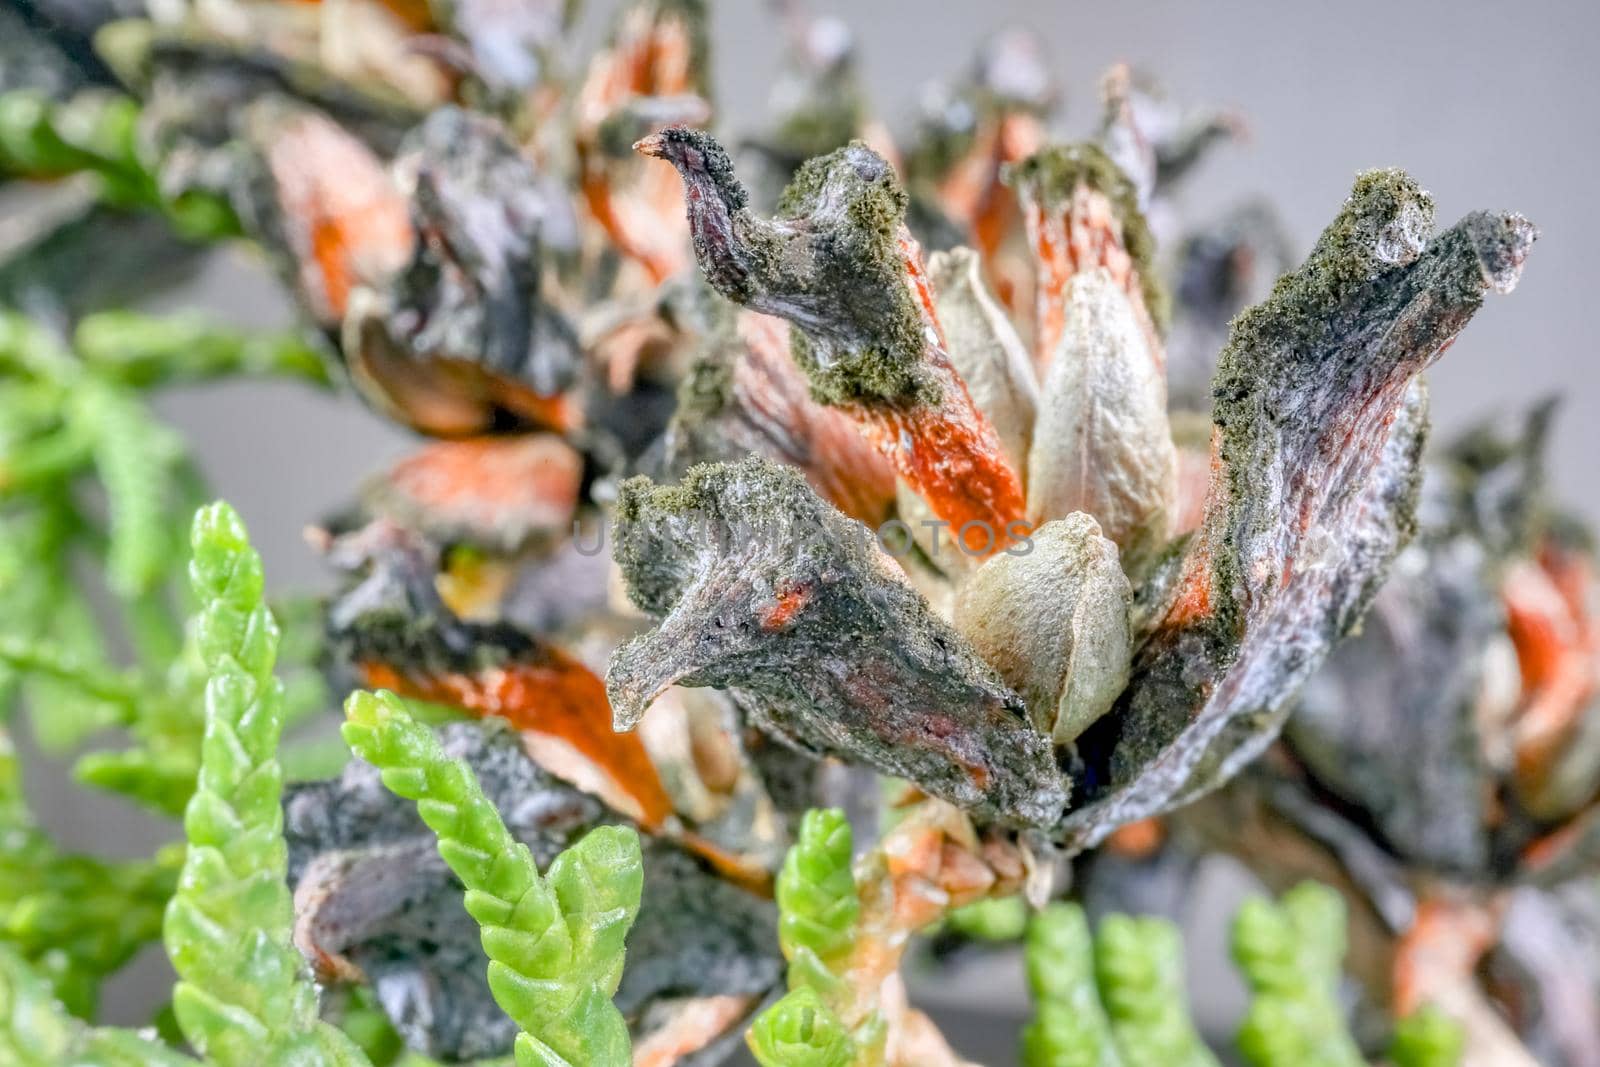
(95, 132)
(555, 944)
(801, 1031)
(1139, 968)
(144, 350)
(1289, 953)
(78, 919)
(817, 902)
(243, 996)
(818, 909)
(36, 1031)
(1070, 1027)
(137, 459)
(1427, 1038)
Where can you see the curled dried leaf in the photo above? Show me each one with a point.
(1319, 428)
(763, 588)
(1054, 623)
(1102, 444)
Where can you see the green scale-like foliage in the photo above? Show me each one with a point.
(818, 909)
(1139, 972)
(555, 943)
(1118, 999)
(1070, 1027)
(1290, 953)
(36, 1031)
(1427, 1038)
(73, 420)
(244, 996)
(96, 132)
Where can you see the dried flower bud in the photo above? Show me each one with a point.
(396, 633)
(1054, 623)
(839, 263)
(337, 213)
(1102, 444)
(659, 49)
(1320, 426)
(495, 493)
(985, 349)
(763, 588)
(1082, 212)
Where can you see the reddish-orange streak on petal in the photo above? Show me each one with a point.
(1080, 235)
(949, 452)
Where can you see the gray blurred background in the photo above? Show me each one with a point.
(1489, 105)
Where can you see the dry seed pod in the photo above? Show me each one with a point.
(1319, 425)
(839, 263)
(1102, 444)
(1054, 623)
(763, 588)
(985, 349)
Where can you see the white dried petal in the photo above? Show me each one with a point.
(986, 349)
(1102, 444)
(1054, 624)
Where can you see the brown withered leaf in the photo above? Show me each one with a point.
(1054, 623)
(763, 588)
(459, 340)
(743, 394)
(1102, 444)
(1319, 428)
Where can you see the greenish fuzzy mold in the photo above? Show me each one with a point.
(1051, 174)
(854, 192)
(1383, 225)
(707, 387)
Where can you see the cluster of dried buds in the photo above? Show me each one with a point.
(900, 449)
